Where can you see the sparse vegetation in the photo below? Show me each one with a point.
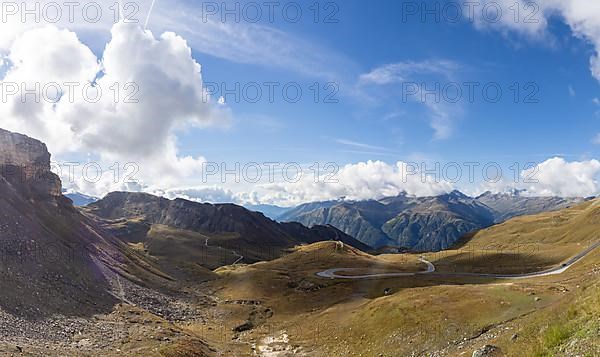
(556, 334)
(161, 290)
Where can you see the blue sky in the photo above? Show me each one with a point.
(562, 122)
(370, 63)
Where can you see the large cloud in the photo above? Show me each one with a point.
(159, 75)
(375, 179)
(371, 180)
(584, 19)
(557, 177)
(553, 177)
(361, 181)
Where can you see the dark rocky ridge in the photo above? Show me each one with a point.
(261, 237)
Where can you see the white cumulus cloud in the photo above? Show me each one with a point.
(552, 177)
(360, 181)
(558, 177)
(160, 92)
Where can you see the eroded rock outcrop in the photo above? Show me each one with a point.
(25, 164)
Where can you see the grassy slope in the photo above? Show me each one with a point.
(525, 244)
(450, 316)
(566, 230)
(189, 247)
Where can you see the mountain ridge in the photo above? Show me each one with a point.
(422, 223)
(251, 232)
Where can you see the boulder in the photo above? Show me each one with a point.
(487, 350)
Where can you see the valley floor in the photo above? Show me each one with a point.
(281, 308)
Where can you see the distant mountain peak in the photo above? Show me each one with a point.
(457, 193)
(485, 194)
(79, 199)
(511, 192)
(517, 193)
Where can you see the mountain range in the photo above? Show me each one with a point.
(516, 203)
(421, 223)
(66, 272)
(406, 222)
(56, 258)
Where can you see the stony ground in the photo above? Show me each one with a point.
(146, 322)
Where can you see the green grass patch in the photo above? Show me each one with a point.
(556, 334)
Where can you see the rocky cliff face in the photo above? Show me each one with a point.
(53, 260)
(25, 164)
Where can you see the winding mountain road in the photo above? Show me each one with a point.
(333, 273)
(239, 256)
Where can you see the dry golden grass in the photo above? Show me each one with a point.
(431, 314)
(525, 244)
(566, 230)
